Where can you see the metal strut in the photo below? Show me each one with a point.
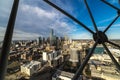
(7, 40)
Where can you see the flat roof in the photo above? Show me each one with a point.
(31, 64)
(64, 73)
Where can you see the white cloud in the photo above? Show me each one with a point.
(83, 35)
(19, 35)
(35, 19)
(106, 20)
(5, 8)
(2, 30)
(113, 27)
(38, 20)
(2, 33)
(38, 11)
(114, 1)
(117, 25)
(24, 35)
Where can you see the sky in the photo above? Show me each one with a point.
(36, 18)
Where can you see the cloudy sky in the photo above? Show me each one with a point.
(35, 18)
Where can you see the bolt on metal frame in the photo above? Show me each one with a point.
(99, 36)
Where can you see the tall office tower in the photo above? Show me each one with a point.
(62, 41)
(43, 40)
(57, 43)
(40, 41)
(66, 38)
(62, 38)
(48, 40)
(51, 37)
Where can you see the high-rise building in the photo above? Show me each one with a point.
(51, 37)
(43, 40)
(57, 43)
(62, 41)
(48, 40)
(40, 41)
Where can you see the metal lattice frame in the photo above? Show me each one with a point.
(99, 36)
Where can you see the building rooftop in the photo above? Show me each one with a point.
(116, 52)
(31, 64)
(67, 74)
(64, 73)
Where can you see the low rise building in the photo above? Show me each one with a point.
(116, 54)
(62, 75)
(101, 57)
(54, 58)
(75, 56)
(31, 67)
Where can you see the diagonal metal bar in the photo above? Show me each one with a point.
(68, 15)
(111, 23)
(111, 56)
(110, 5)
(91, 16)
(80, 70)
(7, 40)
(113, 44)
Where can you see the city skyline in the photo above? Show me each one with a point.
(36, 18)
